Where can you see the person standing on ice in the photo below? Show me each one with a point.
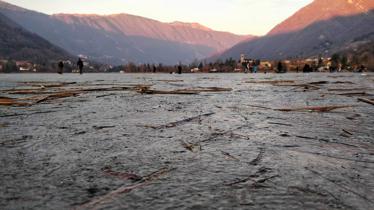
(280, 67)
(255, 66)
(179, 69)
(60, 67)
(80, 65)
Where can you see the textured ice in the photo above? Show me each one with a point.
(53, 155)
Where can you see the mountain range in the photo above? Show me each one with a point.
(323, 27)
(19, 44)
(122, 38)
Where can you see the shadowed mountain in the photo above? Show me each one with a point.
(361, 51)
(123, 38)
(322, 37)
(19, 44)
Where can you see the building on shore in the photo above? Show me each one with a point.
(25, 66)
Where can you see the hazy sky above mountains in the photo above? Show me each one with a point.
(237, 16)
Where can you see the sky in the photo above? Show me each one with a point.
(255, 17)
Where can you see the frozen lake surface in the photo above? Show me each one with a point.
(213, 150)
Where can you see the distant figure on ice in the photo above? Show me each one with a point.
(361, 69)
(154, 69)
(180, 69)
(60, 67)
(246, 68)
(250, 67)
(307, 68)
(256, 63)
(280, 67)
(266, 68)
(80, 65)
(255, 68)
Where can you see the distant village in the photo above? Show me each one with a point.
(335, 63)
(21, 66)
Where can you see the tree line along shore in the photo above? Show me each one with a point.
(335, 63)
